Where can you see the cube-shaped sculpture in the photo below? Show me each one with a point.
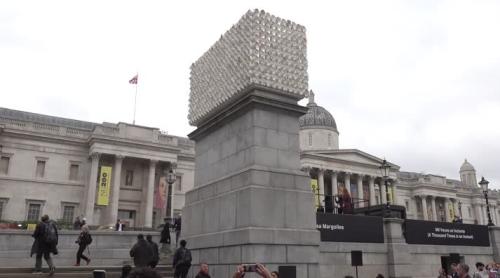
(261, 50)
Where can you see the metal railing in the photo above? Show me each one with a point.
(338, 204)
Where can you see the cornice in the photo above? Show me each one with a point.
(44, 181)
(44, 137)
(129, 143)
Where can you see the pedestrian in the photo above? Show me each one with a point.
(442, 273)
(463, 271)
(83, 241)
(156, 254)
(165, 233)
(46, 238)
(177, 227)
(182, 261)
(119, 226)
(481, 272)
(141, 252)
(77, 224)
(454, 270)
(203, 271)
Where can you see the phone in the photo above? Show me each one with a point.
(250, 268)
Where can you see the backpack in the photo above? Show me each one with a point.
(49, 233)
(186, 257)
(86, 238)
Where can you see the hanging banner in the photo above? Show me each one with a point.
(315, 189)
(451, 211)
(161, 193)
(104, 186)
(444, 233)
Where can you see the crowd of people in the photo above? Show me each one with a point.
(491, 270)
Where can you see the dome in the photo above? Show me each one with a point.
(466, 166)
(317, 116)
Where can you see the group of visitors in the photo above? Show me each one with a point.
(491, 270)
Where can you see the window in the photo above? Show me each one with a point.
(1, 209)
(34, 212)
(68, 213)
(4, 165)
(129, 177)
(179, 183)
(310, 139)
(407, 205)
(40, 168)
(329, 140)
(73, 172)
(469, 212)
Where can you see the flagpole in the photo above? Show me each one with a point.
(135, 99)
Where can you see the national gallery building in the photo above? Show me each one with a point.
(67, 168)
(50, 165)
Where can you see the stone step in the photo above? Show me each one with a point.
(83, 271)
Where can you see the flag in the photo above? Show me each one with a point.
(134, 79)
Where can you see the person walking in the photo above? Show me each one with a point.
(119, 226)
(46, 239)
(203, 271)
(156, 254)
(481, 272)
(77, 224)
(165, 234)
(83, 241)
(182, 261)
(141, 252)
(177, 227)
(463, 271)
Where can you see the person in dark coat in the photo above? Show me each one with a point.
(141, 252)
(203, 271)
(77, 224)
(177, 227)
(46, 238)
(165, 233)
(182, 261)
(156, 253)
(84, 239)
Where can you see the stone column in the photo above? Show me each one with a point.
(91, 188)
(321, 185)
(494, 215)
(433, 207)
(148, 215)
(447, 209)
(360, 191)
(399, 258)
(347, 182)
(372, 191)
(485, 214)
(393, 192)
(495, 242)
(455, 207)
(382, 191)
(115, 193)
(478, 213)
(424, 207)
(335, 186)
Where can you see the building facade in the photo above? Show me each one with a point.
(51, 165)
(425, 196)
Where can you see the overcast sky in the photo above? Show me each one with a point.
(417, 82)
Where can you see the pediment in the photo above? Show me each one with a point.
(349, 156)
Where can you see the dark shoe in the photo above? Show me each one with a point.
(88, 261)
(52, 271)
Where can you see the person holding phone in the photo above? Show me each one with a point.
(257, 268)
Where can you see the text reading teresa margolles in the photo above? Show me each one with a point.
(330, 227)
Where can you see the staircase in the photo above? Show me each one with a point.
(81, 271)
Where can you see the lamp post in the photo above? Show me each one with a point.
(385, 168)
(484, 185)
(171, 177)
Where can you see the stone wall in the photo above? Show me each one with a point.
(108, 248)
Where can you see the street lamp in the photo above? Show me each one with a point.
(171, 177)
(484, 185)
(385, 169)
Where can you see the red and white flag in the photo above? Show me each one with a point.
(134, 79)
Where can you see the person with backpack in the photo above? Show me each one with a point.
(156, 254)
(84, 240)
(182, 261)
(46, 239)
(141, 252)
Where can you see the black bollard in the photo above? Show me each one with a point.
(99, 274)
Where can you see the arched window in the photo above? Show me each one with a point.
(310, 139)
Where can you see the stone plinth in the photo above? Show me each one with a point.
(250, 202)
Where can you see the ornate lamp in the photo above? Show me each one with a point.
(171, 178)
(484, 186)
(385, 168)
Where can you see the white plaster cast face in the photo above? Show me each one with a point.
(260, 49)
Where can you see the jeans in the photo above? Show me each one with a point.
(181, 271)
(79, 254)
(48, 259)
